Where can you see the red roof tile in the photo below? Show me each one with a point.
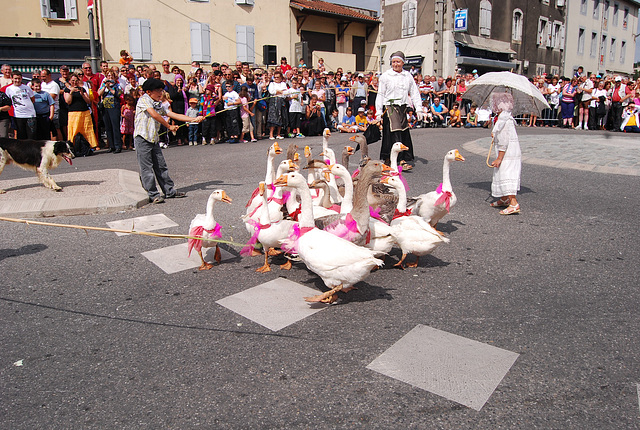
(331, 8)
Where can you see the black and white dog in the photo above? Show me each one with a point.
(37, 155)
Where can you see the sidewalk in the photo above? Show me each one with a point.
(616, 153)
(95, 192)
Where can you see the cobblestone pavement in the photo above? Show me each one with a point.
(605, 152)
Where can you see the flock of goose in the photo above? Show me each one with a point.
(340, 225)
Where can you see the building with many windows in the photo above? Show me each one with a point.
(445, 36)
(55, 32)
(600, 36)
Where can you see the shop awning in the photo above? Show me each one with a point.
(483, 43)
(484, 62)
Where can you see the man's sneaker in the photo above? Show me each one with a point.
(177, 195)
(300, 135)
(279, 137)
(157, 200)
(290, 135)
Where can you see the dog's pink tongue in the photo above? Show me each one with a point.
(68, 160)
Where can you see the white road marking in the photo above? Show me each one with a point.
(142, 223)
(173, 259)
(451, 366)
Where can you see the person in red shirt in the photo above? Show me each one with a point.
(283, 65)
(619, 99)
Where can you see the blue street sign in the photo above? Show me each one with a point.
(460, 20)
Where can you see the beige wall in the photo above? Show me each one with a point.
(170, 27)
(333, 60)
(21, 17)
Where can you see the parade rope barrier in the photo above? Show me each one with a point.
(113, 230)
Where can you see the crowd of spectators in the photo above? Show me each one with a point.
(244, 104)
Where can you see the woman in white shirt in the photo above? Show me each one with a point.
(396, 92)
(277, 114)
(553, 92)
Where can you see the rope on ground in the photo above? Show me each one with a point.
(113, 230)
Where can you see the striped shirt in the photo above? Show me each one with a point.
(145, 126)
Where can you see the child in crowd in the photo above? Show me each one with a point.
(245, 114)
(128, 112)
(164, 133)
(361, 120)
(125, 58)
(411, 118)
(427, 116)
(455, 116)
(301, 64)
(232, 117)
(333, 120)
(472, 117)
(348, 123)
(295, 109)
(208, 103)
(192, 112)
(321, 66)
(45, 107)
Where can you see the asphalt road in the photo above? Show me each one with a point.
(108, 340)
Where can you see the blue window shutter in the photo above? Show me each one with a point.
(241, 43)
(135, 39)
(71, 9)
(145, 29)
(44, 8)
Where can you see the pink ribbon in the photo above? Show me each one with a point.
(346, 228)
(254, 239)
(355, 173)
(404, 181)
(198, 232)
(376, 214)
(295, 233)
(282, 200)
(445, 197)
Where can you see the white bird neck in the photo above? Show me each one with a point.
(305, 219)
(209, 222)
(394, 159)
(446, 181)
(265, 219)
(270, 177)
(402, 198)
(347, 200)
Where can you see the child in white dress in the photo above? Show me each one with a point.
(508, 162)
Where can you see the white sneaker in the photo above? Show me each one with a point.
(190, 143)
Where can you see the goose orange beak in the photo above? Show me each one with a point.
(386, 169)
(277, 149)
(352, 138)
(404, 147)
(307, 152)
(293, 166)
(459, 157)
(350, 150)
(384, 180)
(226, 198)
(296, 157)
(281, 181)
(261, 188)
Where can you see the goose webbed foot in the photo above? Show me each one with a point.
(399, 264)
(265, 267)
(273, 252)
(326, 297)
(204, 265)
(217, 256)
(255, 252)
(414, 264)
(286, 266)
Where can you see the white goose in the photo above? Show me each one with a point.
(328, 154)
(347, 201)
(413, 234)
(255, 199)
(205, 226)
(269, 234)
(339, 263)
(434, 205)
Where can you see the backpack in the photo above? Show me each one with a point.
(81, 146)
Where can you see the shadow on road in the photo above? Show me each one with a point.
(63, 184)
(24, 250)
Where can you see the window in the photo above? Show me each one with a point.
(612, 50)
(485, 18)
(545, 2)
(581, 41)
(555, 70)
(516, 29)
(583, 7)
(616, 9)
(245, 2)
(556, 35)
(625, 18)
(593, 51)
(140, 39)
(596, 9)
(623, 51)
(59, 9)
(540, 69)
(200, 42)
(543, 32)
(409, 16)
(245, 43)
(560, 3)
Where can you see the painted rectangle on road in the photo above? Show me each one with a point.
(173, 259)
(142, 223)
(275, 304)
(451, 366)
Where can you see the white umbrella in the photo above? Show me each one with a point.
(527, 98)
